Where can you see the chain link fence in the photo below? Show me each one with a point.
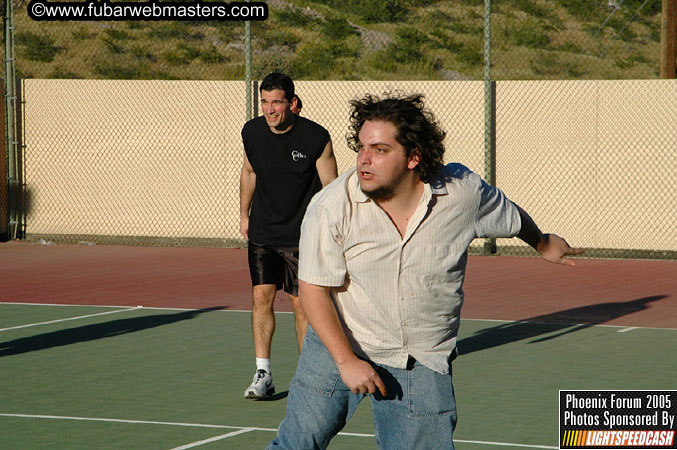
(132, 161)
(131, 130)
(594, 157)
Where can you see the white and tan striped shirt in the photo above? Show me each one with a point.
(399, 296)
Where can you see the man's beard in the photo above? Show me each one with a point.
(380, 193)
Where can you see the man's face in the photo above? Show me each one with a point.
(382, 163)
(275, 109)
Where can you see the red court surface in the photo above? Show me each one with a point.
(638, 293)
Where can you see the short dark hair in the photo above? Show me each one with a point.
(299, 103)
(277, 80)
(416, 127)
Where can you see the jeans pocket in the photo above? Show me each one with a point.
(316, 370)
(431, 394)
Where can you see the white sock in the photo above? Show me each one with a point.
(263, 364)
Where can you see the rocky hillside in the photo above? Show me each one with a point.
(360, 40)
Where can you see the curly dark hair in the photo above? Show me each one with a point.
(416, 126)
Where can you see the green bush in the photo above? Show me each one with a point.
(623, 63)
(182, 54)
(213, 56)
(532, 8)
(570, 47)
(292, 16)
(647, 8)
(623, 31)
(337, 28)
(407, 47)
(119, 71)
(582, 9)
(462, 28)
(316, 60)
(278, 36)
(470, 55)
(141, 54)
(174, 30)
(62, 73)
(548, 64)
(117, 35)
(528, 33)
(283, 63)
(230, 31)
(37, 47)
(111, 45)
(371, 11)
(81, 34)
(134, 25)
(437, 18)
(445, 42)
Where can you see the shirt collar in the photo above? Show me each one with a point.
(438, 184)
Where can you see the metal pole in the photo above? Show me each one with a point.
(489, 115)
(10, 118)
(668, 38)
(248, 66)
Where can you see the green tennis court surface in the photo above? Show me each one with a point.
(80, 377)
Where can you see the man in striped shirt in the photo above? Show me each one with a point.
(383, 254)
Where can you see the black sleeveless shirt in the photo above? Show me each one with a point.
(286, 178)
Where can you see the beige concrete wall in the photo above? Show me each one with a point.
(133, 158)
(591, 160)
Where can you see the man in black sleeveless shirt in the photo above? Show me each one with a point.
(287, 160)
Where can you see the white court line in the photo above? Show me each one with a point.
(141, 422)
(529, 322)
(214, 439)
(67, 319)
(63, 304)
(504, 444)
(239, 430)
(523, 322)
(158, 308)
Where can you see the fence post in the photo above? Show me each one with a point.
(489, 116)
(668, 38)
(248, 66)
(13, 184)
(4, 177)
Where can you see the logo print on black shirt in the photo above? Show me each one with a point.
(296, 155)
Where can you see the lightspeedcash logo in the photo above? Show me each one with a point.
(618, 419)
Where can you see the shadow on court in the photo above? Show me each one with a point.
(96, 331)
(275, 397)
(569, 320)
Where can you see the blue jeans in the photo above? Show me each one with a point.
(419, 411)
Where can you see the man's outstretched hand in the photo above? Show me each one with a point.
(555, 249)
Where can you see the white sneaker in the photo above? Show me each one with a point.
(262, 386)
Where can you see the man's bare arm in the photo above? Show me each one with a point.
(326, 165)
(247, 186)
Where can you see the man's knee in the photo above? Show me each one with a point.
(295, 302)
(263, 296)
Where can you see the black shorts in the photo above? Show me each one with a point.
(274, 265)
